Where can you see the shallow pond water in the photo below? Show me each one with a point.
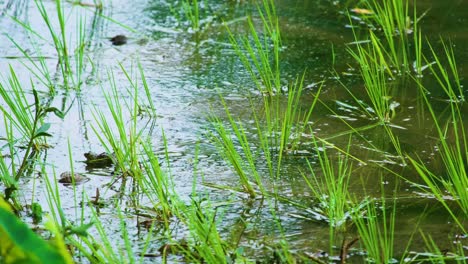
(188, 72)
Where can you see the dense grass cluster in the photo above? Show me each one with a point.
(388, 50)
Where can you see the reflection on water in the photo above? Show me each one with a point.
(187, 72)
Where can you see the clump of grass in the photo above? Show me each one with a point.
(453, 154)
(380, 92)
(114, 136)
(204, 241)
(447, 77)
(26, 120)
(331, 186)
(294, 120)
(90, 240)
(191, 10)
(158, 186)
(377, 232)
(244, 165)
(256, 55)
(373, 68)
(396, 23)
(70, 71)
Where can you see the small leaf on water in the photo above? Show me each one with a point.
(43, 128)
(36, 98)
(56, 111)
(36, 209)
(41, 132)
(80, 230)
(362, 11)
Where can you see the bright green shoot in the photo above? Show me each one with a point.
(293, 121)
(27, 120)
(453, 154)
(114, 136)
(59, 39)
(72, 78)
(244, 166)
(205, 241)
(447, 77)
(376, 230)
(330, 186)
(397, 24)
(158, 186)
(191, 10)
(373, 72)
(255, 53)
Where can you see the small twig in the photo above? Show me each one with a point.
(344, 249)
(314, 258)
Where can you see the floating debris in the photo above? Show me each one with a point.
(68, 178)
(119, 40)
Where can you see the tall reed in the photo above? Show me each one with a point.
(255, 53)
(377, 230)
(113, 133)
(26, 120)
(397, 24)
(447, 75)
(454, 182)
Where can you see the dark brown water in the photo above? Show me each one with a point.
(186, 74)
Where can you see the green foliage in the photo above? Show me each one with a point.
(331, 186)
(28, 121)
(18, 244)
(452, 185)
(113, 133)
(255, 52)
(377, 230)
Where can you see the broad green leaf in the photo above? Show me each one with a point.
(42, 131)
(18, 244)
(56, 111)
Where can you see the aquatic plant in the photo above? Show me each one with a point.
(21, 244)
(204, 243)
(454, 183)
(245, 165)
(396, 22)
(191, 10)
(70, 71)
(330, 188)
(26, 120)
(114, 136)
(447, 75)
(372, 68)
(376, 232)
(157, 185)
(256, 55)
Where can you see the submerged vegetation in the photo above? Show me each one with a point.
(314, 164)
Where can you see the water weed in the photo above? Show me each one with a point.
(331, 187)
(377, 231)
(255, 53)
(276, 168)
(26, 120)
(242, 165)
(453, 155)
(447, 76)
(394, 19)
(122, 143)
